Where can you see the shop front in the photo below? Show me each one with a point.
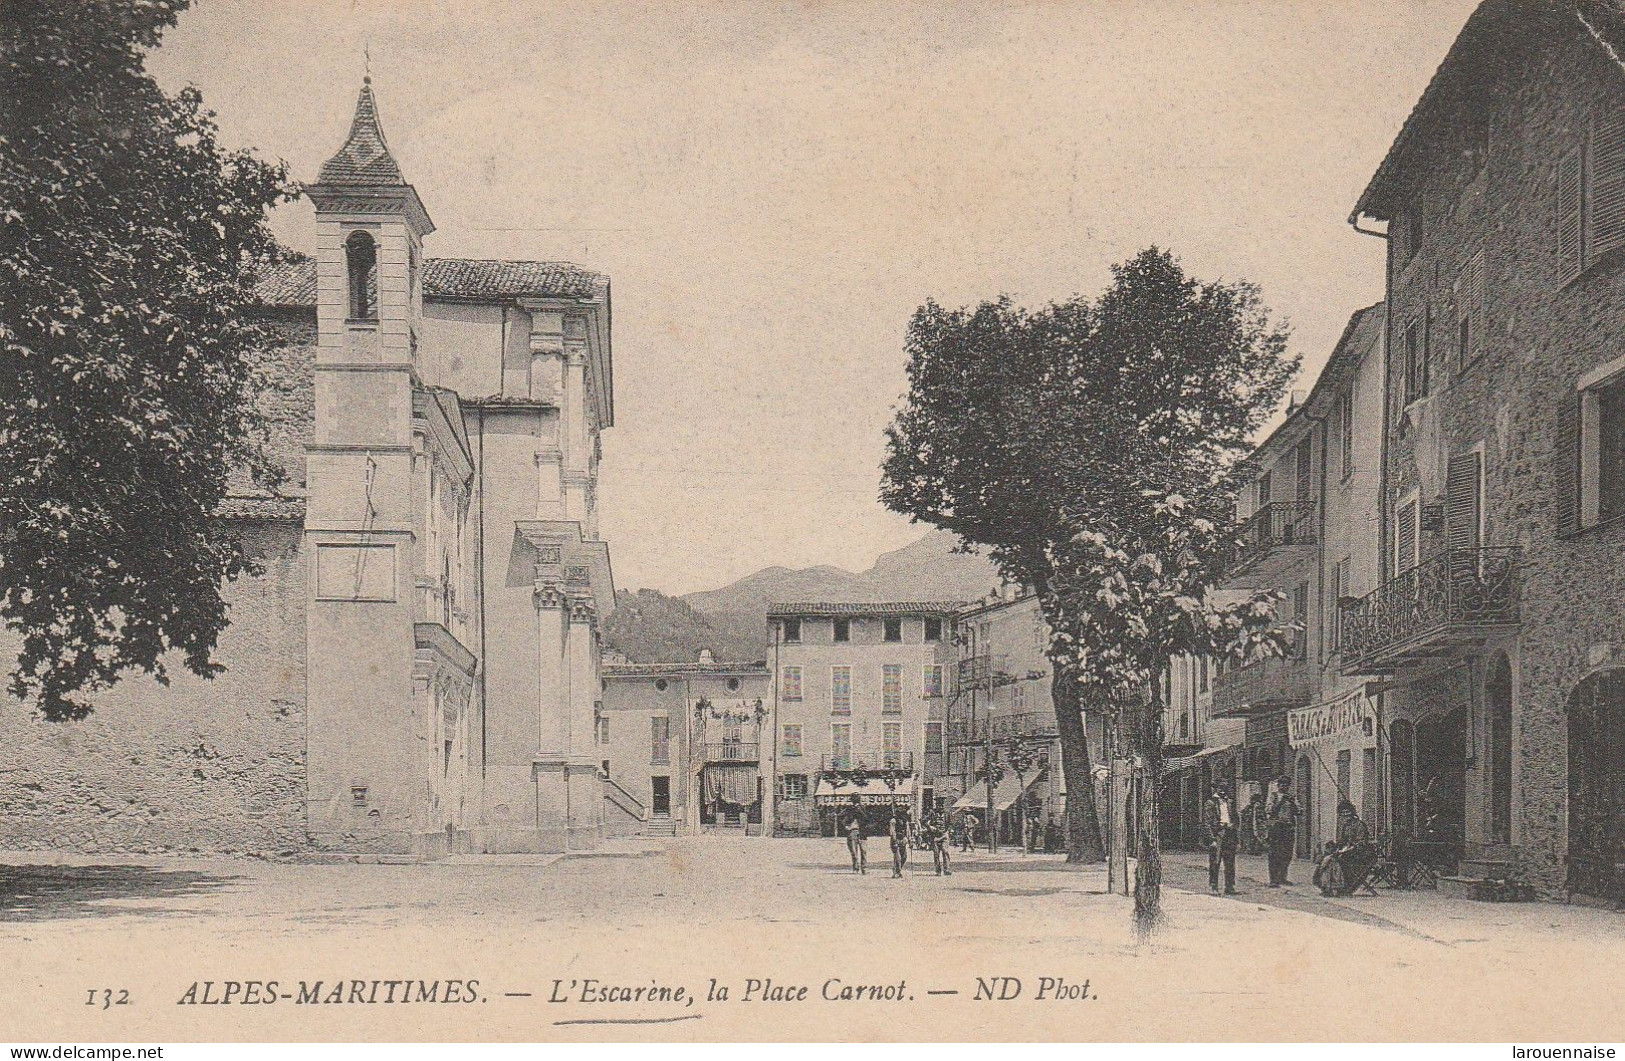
(873, 799)
(1334, 750)
(730, 796)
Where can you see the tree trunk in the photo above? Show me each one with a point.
(1082, 817)
(1148, 874)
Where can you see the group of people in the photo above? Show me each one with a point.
(932, 832)
(1343, 864)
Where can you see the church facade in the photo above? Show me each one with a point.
(415, 671)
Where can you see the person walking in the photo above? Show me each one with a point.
(898, 832)
(1283, 831)
(935, 831)
(967, 838)
(1222, 839)
(854, 843)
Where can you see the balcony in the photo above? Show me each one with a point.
(1002, 727)
(1446, 606)
(985, 672)
(1267, 685)
(869, 762)
(1277, 525)
(732, 752)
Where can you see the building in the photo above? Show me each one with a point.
(859, 710)
(1499, 619)
(684, 743)
(1308, 531)
(415, 672)
(1001, 696)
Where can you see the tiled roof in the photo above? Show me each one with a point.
(474, 279)
(1479, 53)
(637, 670)
(852, 608)
(364, 159)
(292, 283)
(485, 278)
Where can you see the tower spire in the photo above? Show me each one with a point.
(364, 159)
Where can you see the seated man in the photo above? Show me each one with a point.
(1349, 858)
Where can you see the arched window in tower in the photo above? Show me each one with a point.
(361, 257)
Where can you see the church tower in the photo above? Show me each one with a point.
(367, 748)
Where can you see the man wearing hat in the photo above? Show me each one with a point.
(1222, 838)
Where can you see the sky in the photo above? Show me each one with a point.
(773, 188)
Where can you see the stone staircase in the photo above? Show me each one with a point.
(660, 825)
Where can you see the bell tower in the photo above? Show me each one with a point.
(360, 513)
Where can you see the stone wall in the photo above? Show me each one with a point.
(202, 765)
(1540, 333)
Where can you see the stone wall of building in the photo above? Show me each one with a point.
(202, 765)
(1541, 332)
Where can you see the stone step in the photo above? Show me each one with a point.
(1484, 890)
(1486, 868)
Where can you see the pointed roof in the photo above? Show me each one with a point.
(364, 159)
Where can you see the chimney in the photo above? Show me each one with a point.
(705, 656)
(1296, 401)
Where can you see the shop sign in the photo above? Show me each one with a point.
(1350, 714)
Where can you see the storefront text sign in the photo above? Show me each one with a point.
(1328, 720)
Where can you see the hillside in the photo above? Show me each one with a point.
(650, 627)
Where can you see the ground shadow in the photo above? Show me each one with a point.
(50, 893)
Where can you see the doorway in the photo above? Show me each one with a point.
(1597, 783)
(660, 797)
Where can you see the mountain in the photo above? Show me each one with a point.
(650, 627)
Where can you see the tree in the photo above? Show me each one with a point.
(129, 244)
(1022, 429)
(1136, 589)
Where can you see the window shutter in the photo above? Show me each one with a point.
(1305, 469)
(1567, 475)
(1405, 549)
(1568, 214)
(1462, 491)
(1607, 185)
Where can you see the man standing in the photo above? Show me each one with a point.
(854, 843)
(1222, 838)
(935, 832)
(898, 832)
(968, 838)
(1283, 830)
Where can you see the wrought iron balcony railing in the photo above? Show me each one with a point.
(1266, 685)
(732, 752)
(1433, 610)
(1002, 727)
(1274, 525)
(871, 761)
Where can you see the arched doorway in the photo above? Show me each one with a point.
(1498, 708)
(1304, 787)
(1596, 782)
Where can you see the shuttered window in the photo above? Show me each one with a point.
(1607, 184)
(1416, 359)
(1405, 538)
(1334, 610)
(1263, 489)
(1569, 202)
(1463, 491)
(1470, 311)
(1305, 463)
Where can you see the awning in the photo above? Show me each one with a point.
(1191, 760)
(868, 792)
(730, 783)
(1004, 794)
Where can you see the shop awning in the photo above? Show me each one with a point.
(730, 783)
(869, 792)
(1005, 794)
(1172, 765)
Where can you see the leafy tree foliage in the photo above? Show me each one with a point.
(129, 243)
(1135, 590)
(1023, 430)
